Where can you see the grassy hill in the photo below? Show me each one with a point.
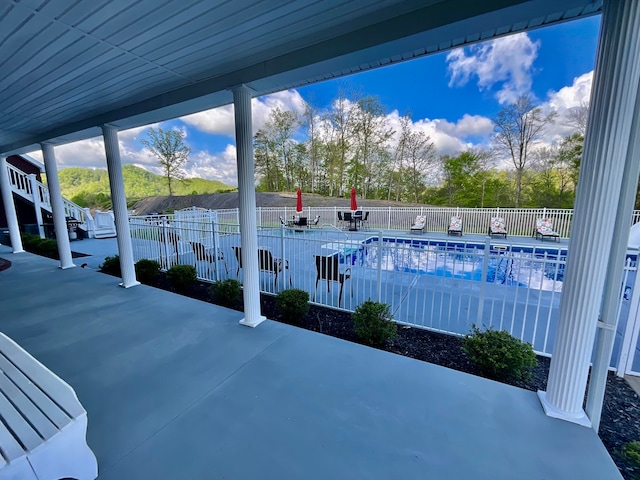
(90, 188)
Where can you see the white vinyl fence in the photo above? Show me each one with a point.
(519, 221)
(444, 285)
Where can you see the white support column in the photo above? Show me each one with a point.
(35, 191)
(615, 273)
(10, 207)
(247, 201)
(57, 206)
(119, 203)
(613, 100)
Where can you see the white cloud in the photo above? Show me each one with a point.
(214, 166)
(507, 60)
(448, 137)
(575, 95)
(220, 120)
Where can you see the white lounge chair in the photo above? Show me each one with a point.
(455, 226)
(544, 228)
(419, 224)
(104, 223)
(497, 227)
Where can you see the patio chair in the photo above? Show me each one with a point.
(168, 236)
(301, 222)
(315, 221)
(365, 219)
(328, 268)
(203, 255)
(455, 226)
(266, 263)
(419, 224)
(544, 228)
(340, 219)
(497, 227)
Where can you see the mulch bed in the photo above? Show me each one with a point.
(620, 421)
(4, 264)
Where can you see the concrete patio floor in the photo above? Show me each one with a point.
(176, 388)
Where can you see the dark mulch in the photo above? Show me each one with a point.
(4, 264)
(621, 411)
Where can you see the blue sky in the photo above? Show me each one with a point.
(452, 96)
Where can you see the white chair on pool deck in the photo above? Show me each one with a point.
(455, 226)
(544, 228)
(497, 227)
(419, 224)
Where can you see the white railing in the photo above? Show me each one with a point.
(438, 284)
(25, 185)
(519, 221)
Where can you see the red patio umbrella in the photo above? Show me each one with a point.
(299, 202)
(354, 203)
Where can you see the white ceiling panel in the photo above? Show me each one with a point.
(71, 65)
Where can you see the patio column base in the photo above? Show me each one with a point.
(129, 285)
(254, 323)
(580, 418)
(67, 267)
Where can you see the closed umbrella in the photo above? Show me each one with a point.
(299, 202)
(354, 203)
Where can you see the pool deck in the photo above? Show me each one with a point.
(176, 388)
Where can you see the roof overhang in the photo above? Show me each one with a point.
(70, 67)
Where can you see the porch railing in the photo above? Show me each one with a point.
(443, 285)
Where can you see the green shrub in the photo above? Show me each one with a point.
(182, 277)
(111, 266)
(498, 354)
(30, 241)
(631, 452)
(147, 270)
(227, 292)
(293, 303)
(374, 323)
(47, 247)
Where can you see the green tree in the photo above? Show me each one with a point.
(169, 147)
(274, 149)
(517, 128)
(370, 135)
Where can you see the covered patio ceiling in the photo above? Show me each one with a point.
(69, 66)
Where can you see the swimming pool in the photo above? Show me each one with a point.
(541, 268)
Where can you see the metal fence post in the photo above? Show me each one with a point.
(215, 250)
(389, 225)
(483, 280)
(379, 277)
(284, 260)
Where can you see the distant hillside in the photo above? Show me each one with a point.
(90, 188)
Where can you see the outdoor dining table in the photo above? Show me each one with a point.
(353, 219)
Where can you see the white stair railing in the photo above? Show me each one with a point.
(22, 184)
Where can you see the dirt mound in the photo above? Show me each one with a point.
(220, 201)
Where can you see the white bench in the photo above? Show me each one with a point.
(43, 427)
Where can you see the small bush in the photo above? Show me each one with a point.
(498, 354)
(631, 452)
(374, 323)
(47, 247)
(147, 270)
(182, 277)
(293, 303)
(227, 292)
(111, 266)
